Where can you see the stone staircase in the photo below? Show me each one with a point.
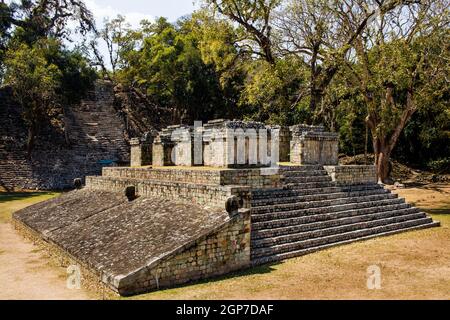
(311, 212)
(97, 139)
(95, 130)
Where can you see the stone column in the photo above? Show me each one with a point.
(183, 150)
(284, 142)
(141, 150)
(162, 149)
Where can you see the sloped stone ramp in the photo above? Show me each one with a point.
(141, 245)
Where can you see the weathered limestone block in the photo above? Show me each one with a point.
(283, 139)
(312, 145)
(141, 150)
(202, 194)
(353, 174)
(162, 148)
(251, 177)
(183, 150)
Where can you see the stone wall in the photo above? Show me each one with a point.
(202, 194)
(217, 253)
(162, 154)
(95, 230)
(310, 148)
(239, 144)
(255, 178)
(353, 174)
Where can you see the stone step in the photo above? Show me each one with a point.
(304, 200)
(300, 168)
(358, 202)
(280, 193)
(277, 235)
(343, 233)
(289, 180)
(310, 185)
(296, 217)
(292, 221)
(308, 173)
(263, 193)
(333, 241)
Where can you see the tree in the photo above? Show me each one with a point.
(254, 17)
(115, 35)
(36, 19)
(320, 32)
(34, 82)
(31, 20)
(399, 64)
(165, 64)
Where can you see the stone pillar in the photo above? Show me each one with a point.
(284, 142)
(141, 150)
(183, 150)
(162, 148)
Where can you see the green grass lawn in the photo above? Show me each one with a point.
(12, 202)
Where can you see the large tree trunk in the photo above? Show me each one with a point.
(383, 143)
(382, 159)
(316, 98)
(382, 150)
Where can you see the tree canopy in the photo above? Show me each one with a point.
(374, 71)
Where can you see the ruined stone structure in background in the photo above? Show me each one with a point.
(96, 134)
(195, 216)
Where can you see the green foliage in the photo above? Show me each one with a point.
(272, 92)
(170, 68)
(43, 77)
(441, 165)
(231, 60)
(34, 81)
(77, 76)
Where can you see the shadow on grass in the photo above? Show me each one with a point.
(436, 187)
(262, 269)
(445, 211)
(13, 196)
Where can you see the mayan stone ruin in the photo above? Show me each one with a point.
(204, 200)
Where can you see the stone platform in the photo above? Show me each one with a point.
(177, 229)
(214, 199)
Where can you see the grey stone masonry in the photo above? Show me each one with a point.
(142, 245)
(96, 133)
(183, 150)
(233, 144)
(162, 148)
(239, 144)
(141, 150)
(312, 145)
(255, 178)
(312, 212)
(138, 229)
(352, 174)
(236, 144)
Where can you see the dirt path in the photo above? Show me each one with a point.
(26, 274)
